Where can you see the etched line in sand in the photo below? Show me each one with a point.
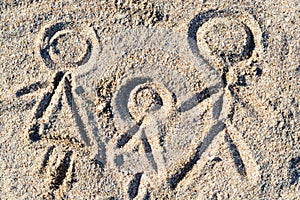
(61, 44)
(198, 98)
(238, 161)
(124, 139)
(134, 184)
(182, 172)
(148, 151)
(52, 117)
(46, 159)
(294, 170)
(60, 174)
(31, 88)
(42, 106)
(58, 167)
(74, 107)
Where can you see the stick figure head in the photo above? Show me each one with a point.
(238, 44)
(147, 99)
(66, 46)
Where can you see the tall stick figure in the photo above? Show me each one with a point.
(240, 47)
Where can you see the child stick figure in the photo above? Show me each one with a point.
(142, 106)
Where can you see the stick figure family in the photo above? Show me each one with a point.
(146, 97)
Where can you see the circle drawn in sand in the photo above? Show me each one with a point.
(146, 99)
(233, 42)
(67, 47)
(240, 35)
(63, 45)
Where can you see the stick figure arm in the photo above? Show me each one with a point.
(31, 88)
(199, 98)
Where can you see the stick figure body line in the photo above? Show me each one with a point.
(51, 104)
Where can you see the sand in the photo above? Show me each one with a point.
(149, 99)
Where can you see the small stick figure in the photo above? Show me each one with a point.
(148, 104)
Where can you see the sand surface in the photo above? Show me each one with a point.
(149, 99)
